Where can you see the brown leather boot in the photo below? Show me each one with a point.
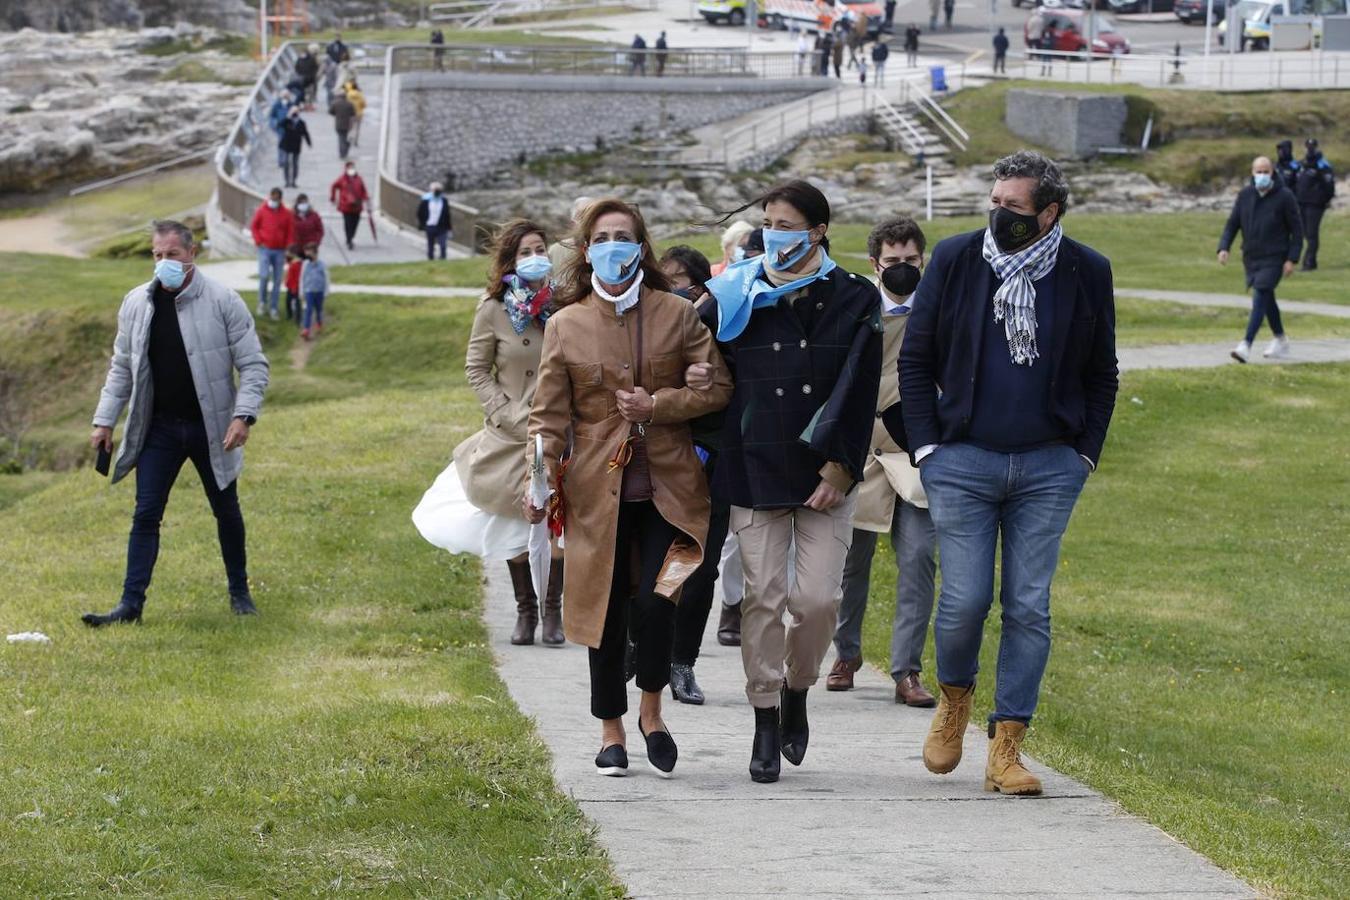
(1004, 772)
(942, 747)
(911, 692)
(841, 675)
(551, 631)
(729, 626)
(527, 604)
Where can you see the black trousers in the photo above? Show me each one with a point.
(350, 222)
(1312, 232)
(643, 540)
(696, 599)
(168, 444)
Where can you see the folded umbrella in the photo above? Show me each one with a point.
(540, 493)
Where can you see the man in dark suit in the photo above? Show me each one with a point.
(433, 217)
(1007, 383)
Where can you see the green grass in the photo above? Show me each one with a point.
(1198, 672)
(1172, 252)
(233, 44)
(1202, 140)
(355, 737)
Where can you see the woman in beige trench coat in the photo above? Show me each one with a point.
(476, 507)
(635, 497)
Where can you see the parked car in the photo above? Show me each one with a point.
(804, 15)
(1256, 15)
(1057, 4)
(1192, 12)
(1131, 7)
(1068, 28)
(730, 11)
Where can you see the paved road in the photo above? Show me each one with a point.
(860, 818)
(1208, 356)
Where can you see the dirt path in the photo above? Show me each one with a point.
(300, 354)
(43, 233)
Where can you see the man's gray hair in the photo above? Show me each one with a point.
(161, 227)
(1050, 184)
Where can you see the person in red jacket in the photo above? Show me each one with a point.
(349, 194)
(308, 225)
(273, 228)
(295, 306)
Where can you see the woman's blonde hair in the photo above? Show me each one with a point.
(734, 234)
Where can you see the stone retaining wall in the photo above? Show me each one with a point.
(463, 128)
(1075, 125)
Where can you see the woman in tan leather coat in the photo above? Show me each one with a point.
(480, 513)
(635, 497)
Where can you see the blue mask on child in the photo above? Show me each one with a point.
(784, 249)
(534, 268)
(1263, 181)
(615, 262)
(170, 273)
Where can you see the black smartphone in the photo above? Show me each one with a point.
(104, 461)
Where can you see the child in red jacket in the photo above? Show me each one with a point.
(295, 307)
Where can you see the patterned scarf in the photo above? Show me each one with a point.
(1015, 299)
(523, 304)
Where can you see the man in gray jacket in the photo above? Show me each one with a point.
(180, 339)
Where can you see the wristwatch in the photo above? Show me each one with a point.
(248, 420)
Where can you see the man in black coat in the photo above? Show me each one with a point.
(1315, 187)
(433, 217)
(1008, 380)
(1272, 236)
(1285, 165)
(1001, 52)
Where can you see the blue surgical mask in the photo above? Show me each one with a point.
(738, 254)
(170, 273)
(784, 249)
(1263, 181)
(615, 262)
(534, 268)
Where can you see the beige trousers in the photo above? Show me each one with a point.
(813, 545)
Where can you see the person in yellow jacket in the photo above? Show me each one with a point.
(890, 499)
(358, 100)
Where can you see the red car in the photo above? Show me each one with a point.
(1068, 29)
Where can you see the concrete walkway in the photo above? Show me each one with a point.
(242, 275)
(1236, 301)
(320, 166)
(1206, 356)
(860, 818)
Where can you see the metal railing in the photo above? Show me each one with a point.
(473, 13)
(909, 136)
(397, 200)
(235, 199)
(913, 91)
(685, 63)
(1267, 70)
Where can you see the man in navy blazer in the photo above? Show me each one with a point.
(1008, 379)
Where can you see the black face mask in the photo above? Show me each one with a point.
(901, 279)
(1012, 231)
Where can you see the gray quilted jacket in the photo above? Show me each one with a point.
(219, 337)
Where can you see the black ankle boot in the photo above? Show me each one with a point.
(122, 612)
(796, 732)
(527, 604)
(764, 762)
(242, 604)
(683, 687)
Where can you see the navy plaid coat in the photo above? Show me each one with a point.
(803, 397)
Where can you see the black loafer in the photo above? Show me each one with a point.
(661, 751)
(795, 730)
(612, 761)
(683, 687)
(764, 753)
(122, 612)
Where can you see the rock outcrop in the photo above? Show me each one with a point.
(79, 107)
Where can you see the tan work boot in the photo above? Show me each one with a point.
(1004, 772)
(942, 747)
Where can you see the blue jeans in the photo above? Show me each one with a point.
(274, 262)
(436, 237)
(973, 496)
(168, 444)
(313, 308)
